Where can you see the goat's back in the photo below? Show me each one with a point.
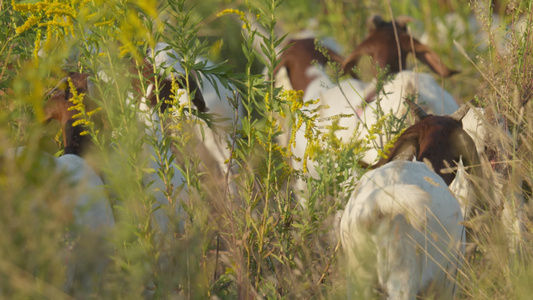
(401, 229)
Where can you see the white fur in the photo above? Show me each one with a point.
(401, 229)
(507, 192)
(92, 215)
(215, 139)
(150, 118)
(452, 27)
(332, 105)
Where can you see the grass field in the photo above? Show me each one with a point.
(255, 241)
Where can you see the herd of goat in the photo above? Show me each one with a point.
(402, 230)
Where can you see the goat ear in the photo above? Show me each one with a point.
(406, 148)
(62, 84)
(373, 22)
(198, 100)
(460, 113)
(417, 110)
(53, 100)
(425, 55)
(402, 21)
(463, 145)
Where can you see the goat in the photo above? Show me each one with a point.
(57, 108)
(402, 230)
(316, 84)
(215, 96)
(440, 140)
(491, 143)
(86, 198)
(81, 193)
(486, 26)
(389, 43)
(303, 75)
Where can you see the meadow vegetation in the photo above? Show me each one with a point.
(242, 236)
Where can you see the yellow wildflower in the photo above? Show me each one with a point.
(32, 20)
(242, 16)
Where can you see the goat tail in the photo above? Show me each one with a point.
(407, 200)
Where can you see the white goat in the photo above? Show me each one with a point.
(402, 230)
(333, 104)
(489, 140)
(93, 218)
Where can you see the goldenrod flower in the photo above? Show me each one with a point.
(55, 15)
(32, 20)
(242, 16)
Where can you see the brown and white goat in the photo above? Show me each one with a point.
(440, 140)
(85, 195)
(388, 43)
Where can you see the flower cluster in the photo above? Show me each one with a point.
(386, 149)
(377, 128)
(242, 16)
(82, 116)
(54, 15)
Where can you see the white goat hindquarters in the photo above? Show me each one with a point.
(401, 229)
(92, 206)
(82, 193)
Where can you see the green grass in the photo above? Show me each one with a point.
(256, 242)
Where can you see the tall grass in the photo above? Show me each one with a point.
(242, 236)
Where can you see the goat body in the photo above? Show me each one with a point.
(85, 199)
(401, 229)
(216, 99)
(491, 140)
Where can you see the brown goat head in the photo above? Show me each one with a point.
(165, 87)
(382, 46)
(299, 56)
(440, 140)
(57, 107)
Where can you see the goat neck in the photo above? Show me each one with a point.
(299, 57)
